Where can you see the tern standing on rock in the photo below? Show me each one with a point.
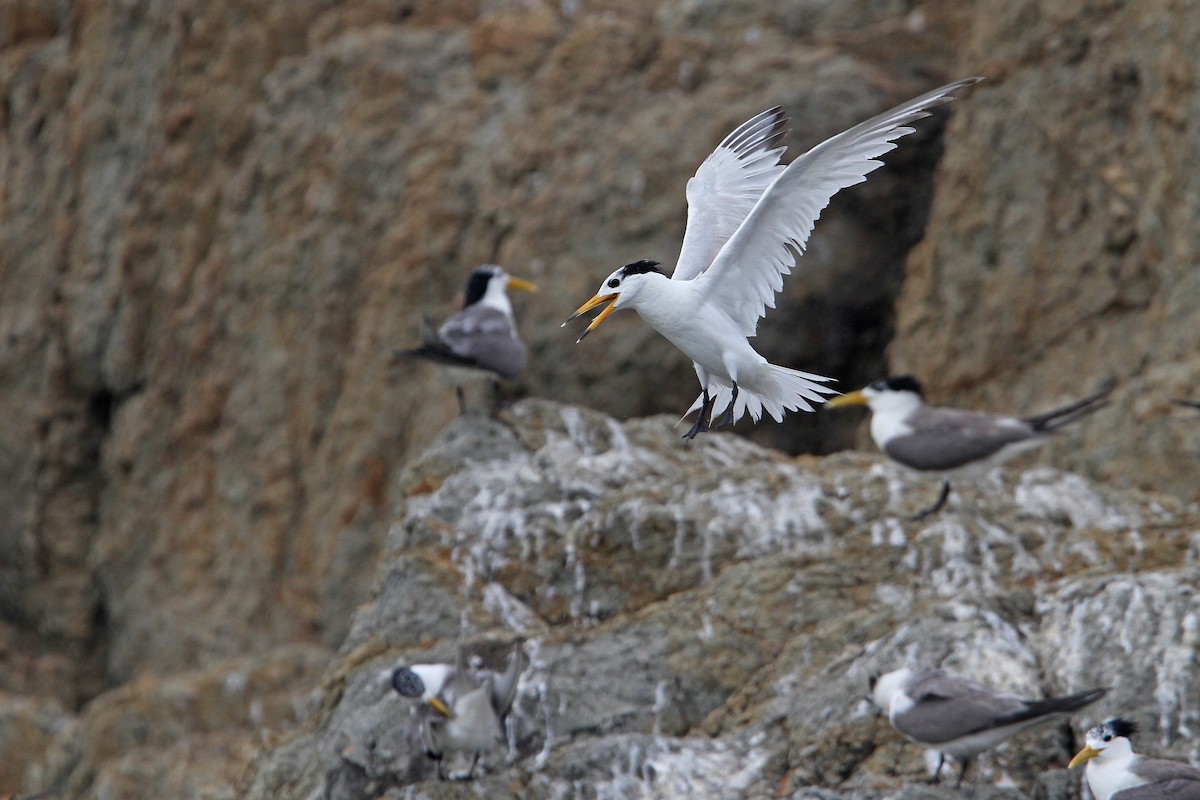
(458, 711)
(1115, 772)
(748, 218)
(960, 717)
(950, 442)
(483, 335)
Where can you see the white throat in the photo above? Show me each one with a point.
(890, 412)
(1112, 770)
(889, 692)
(495, 297)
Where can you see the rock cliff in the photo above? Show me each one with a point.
(227, 508)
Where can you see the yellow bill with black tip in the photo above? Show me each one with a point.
(589, 305)
(441, 707)
(1088, 752)
(522, 284)
(848, 399)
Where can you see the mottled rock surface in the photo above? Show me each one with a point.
(702, 618)
(219, 218)
(1063, 242)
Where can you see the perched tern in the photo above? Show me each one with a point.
(748, 218)
(1115, 772)
(483, 335)
(951, 442)
(959, 717)
(459, 711)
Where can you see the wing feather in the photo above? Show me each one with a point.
(726, 187)
(747, 272)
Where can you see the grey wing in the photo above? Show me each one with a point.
(948, 707)
(504, 685)
(1178, 789)
(946, 438)
(485, 337)
(1169, 780)
(429, 722)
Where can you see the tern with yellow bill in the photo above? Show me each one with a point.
(483, 335)
(957, 716)
(951, 442)
(748, 218)
(1115, 772)
(459, 710)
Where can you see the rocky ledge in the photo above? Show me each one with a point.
(702, 618)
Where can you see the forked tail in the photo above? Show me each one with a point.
(790, 390)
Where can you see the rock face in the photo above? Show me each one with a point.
(702, 619)
(221, 218)
(1063, 240)
(220, 514)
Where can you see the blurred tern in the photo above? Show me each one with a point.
(959, 717)
(458, 711)
(1115, 772)
(951, 442)
(748, 218)
(483, 335)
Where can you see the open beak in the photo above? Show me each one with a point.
(441, 708)
(522, 284)
(588, 306)
(1083, 755)
(851, 399)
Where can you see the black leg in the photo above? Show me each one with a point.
(474, 761)
(727, 417)
(702, 421)
(441, 765)
(962, 771)
(936, 507)
(462, 401)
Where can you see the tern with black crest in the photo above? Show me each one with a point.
(960, 717)
(748, 218)
(458, 710)
(951, 442)
(1115, 772)
(483, 335)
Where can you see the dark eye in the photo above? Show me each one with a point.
(1108, 737)
(614, 283)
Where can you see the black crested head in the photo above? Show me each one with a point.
(900, 383)
(478, 282)
(640, 267)
(1119, 726)
(407, 683)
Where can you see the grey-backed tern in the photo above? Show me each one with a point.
(748, 219)
(483, 335)
(457, 710)
(951, 442)
(1115, 772)
(960, 717)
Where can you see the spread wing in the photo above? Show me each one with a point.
(748, 271)
(727, 186)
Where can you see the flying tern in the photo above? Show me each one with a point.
(960, 717)
(951, 442)
(748, 218)
(483, 335)
(1115, 772)
(457, 710)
